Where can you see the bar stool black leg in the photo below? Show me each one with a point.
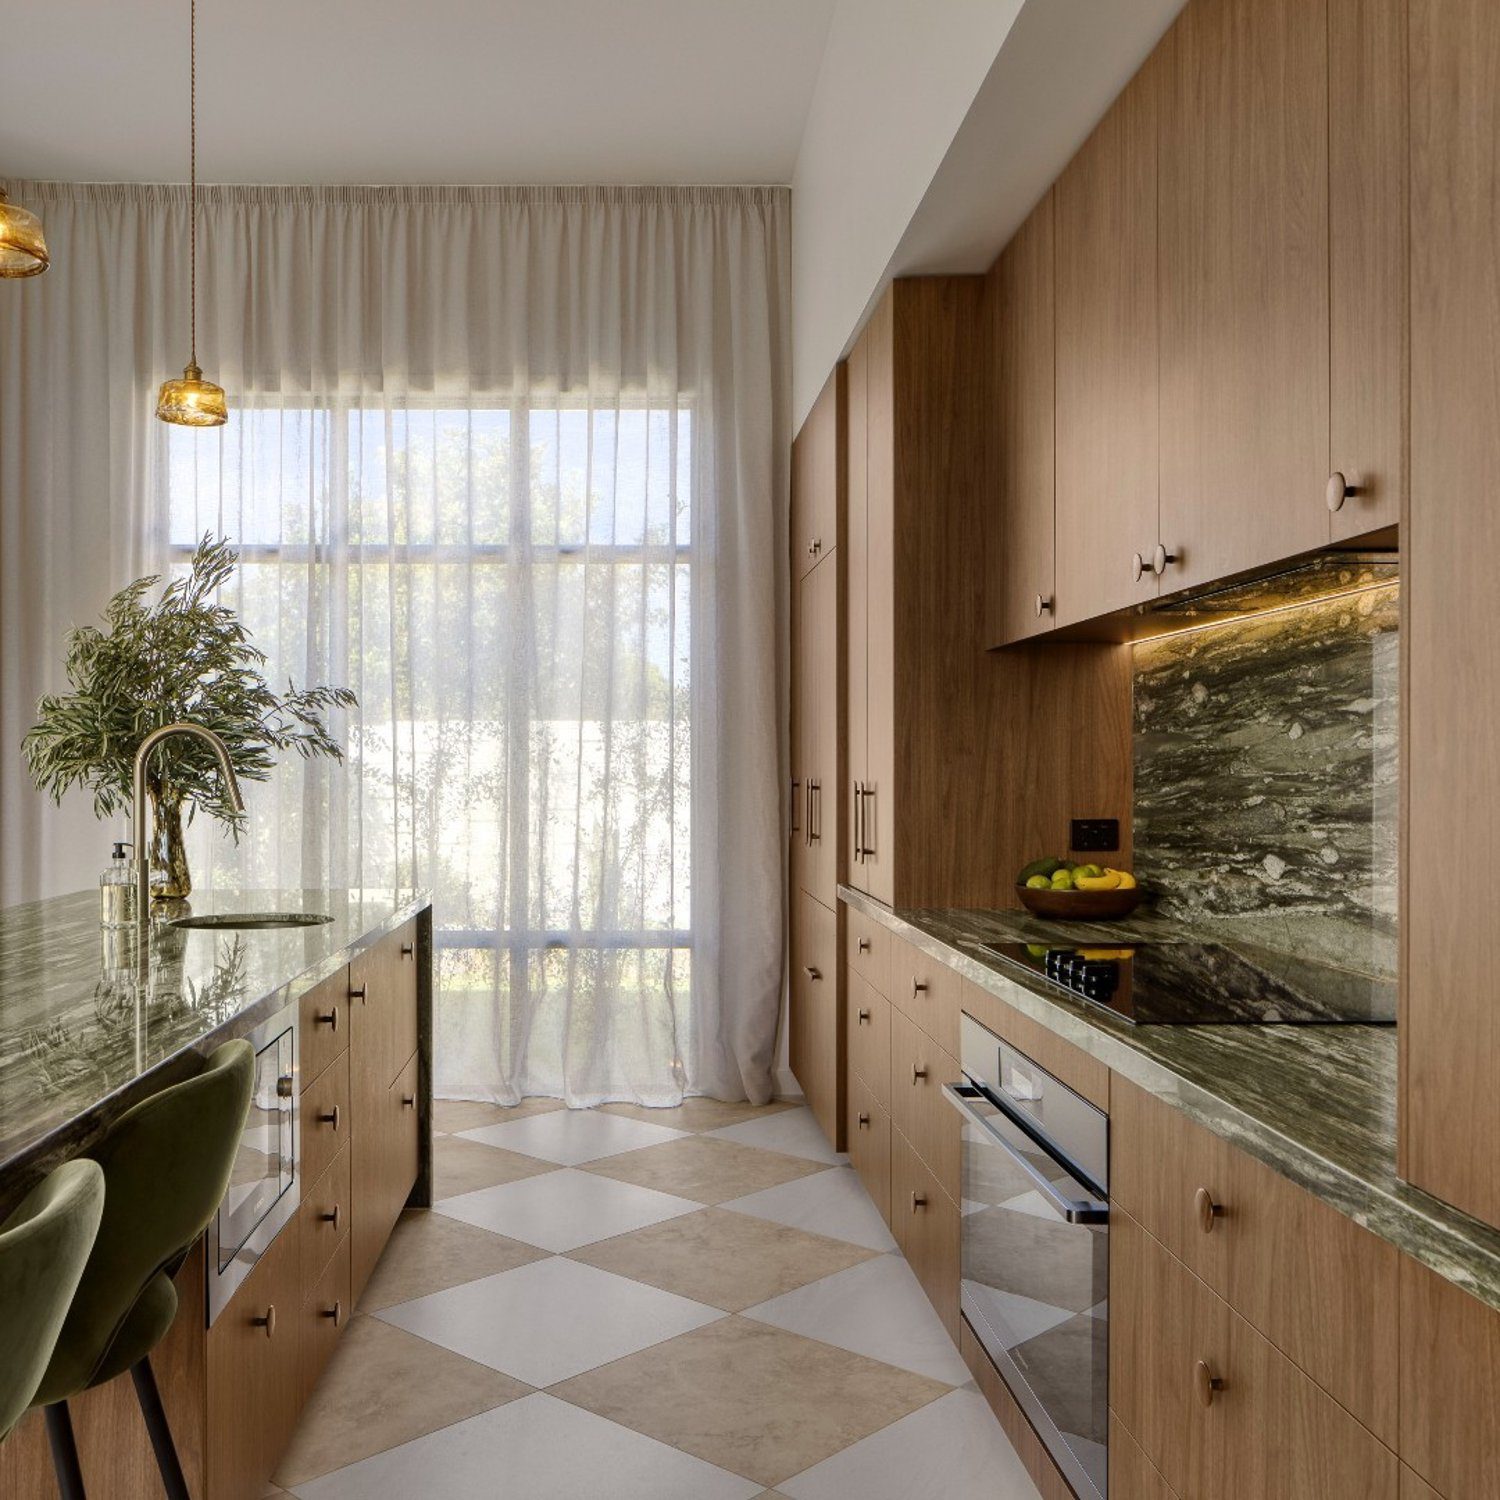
(161, 1434)
(64, 1451)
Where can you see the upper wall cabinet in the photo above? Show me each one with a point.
(1105, 212)
(1022, 595)
(817, 479)
(1243, 276)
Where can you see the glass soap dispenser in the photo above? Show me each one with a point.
(117, 890)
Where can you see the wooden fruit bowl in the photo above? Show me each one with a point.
(1080, 906)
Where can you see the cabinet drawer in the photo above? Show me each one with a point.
(323, 1024)
(1132, 1476)
(1239, 1226)
(326, 1309)
(919, 1069)
(383, 1003)
(867, 1026)
(1266, 1432)
(867, 947)
(928, 991)
(383, 1168)
(814, 1022)
(869, 1136)
(325, 1216)
(924, 1221)
(325, 1118)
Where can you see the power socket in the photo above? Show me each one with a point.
(1094, 835)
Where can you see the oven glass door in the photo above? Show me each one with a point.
(1035, 1286)
(265, 1161)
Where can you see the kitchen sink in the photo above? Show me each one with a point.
(244, 919)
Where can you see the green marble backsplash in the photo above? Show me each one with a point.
(1265, 778)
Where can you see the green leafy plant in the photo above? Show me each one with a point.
(186, 656)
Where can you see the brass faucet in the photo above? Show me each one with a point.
(138, 821)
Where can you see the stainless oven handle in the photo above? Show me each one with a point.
(1074, 1210)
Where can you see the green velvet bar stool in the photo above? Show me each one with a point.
(44, 1246)
(166, 1165)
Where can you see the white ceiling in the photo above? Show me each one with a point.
(412, 91)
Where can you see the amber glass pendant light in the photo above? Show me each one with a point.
(23, 251)
(192, 401)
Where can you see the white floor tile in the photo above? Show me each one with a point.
(571, 1136)
(560, 1211)
(550, 1320)
(832, 1203)
(1014, 1318)
(537, 1448)
(953, 1447)
(793, 1131)
(1032, 1203)
(876, 1308)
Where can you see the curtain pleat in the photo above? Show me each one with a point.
(510, 463)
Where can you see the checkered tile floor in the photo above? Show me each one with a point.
(689, 1304)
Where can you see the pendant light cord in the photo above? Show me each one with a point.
(193, 177)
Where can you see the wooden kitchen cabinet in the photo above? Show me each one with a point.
(326, 1307)
(1450, 692)
(323, 1025)
(818, 700)
(867, 1029)
(384, 1159)
(927, 991)
(1106, 388)
(326, 1118)
(1242, 240)
(383, 1012)
(1023, 538)
(254, 1374)
(818, 458)
(1132, 1476)
(324, 1212)
(919, 1109)
(925, 1222)
(867, 948)
(869, 1136)
(815, 1030)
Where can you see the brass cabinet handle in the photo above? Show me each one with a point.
(917, 1072)
(268, 1322)
(1160, 558)
(863, 1015)
(864, 945)
(811, 972)
(333, 1216)
(859, 806)
(331, 1020)
(336, 1312)
(330, 1117)
(1043, 605)
(357, 993)
(864, 1122)
(1206, 1209)
(408, 1101)
(918, 1200)
(408, 949)
(814, 805)
(1206, 1383)
(794, 826)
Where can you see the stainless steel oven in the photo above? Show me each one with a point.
(265, 1186)
(1035, 1246)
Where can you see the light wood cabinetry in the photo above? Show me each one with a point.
(818, 458)
(323, 1025)
(1239, 1226)
(869, 1143)
(1105, 210)
(255, 1373)
(325, 1217)
(325, 1309)
(1132, 1476)
(816, 862)
(383, 1168)
(1413, 1487)
(919, 1069)
(867, 1026)
(815, 1035)
(1242, 235)
(326, 1118)
(927, 991)
(1023, 536)
(867, 949)
(925, 1222)
(1450, 1025)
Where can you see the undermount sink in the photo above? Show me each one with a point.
(243, 919)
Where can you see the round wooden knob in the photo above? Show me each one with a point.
(864, 1015)
(917, 988)
(917, 1072)
(330, 1117)
(1043, 605)
(864, 945)
(357, 994)
(408, 949)
(268, 1321)
(330, 1020)
(864, 1122)
(336, 1312)
(1160, 558)
(1138, 566)
(1338, 490)
(408, 1101)
(1206, 1383)
(1207, 1210)
(333, 1216)
(918, 1200)
(811, 972)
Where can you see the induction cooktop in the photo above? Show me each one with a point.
(1165, 983)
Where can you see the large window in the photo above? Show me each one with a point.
(509, 589)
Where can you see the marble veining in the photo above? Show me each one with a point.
(1315, 1103)
(1266, 777)
(83, 1035)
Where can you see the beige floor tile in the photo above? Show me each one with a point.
(430, 1252)
(755, 1400)
(700, 1114)
(453, 1115)
(706, 1170)
(384, 1387)
(462, 1166)
(725, 1259)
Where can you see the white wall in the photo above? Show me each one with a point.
(898, 77)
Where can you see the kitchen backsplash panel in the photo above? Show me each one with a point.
(1265, 778)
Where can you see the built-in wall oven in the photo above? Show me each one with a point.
(264, 1186)
(1035, 1256)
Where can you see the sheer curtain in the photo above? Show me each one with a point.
(511, 465)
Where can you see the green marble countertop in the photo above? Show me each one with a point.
(1315, 1103)
(83, 1034)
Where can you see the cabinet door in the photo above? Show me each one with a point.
(813, 1021)
(797, 851)
(1023, 538)
(1450, 1026)
(254, 1373)
(869, 1136)
(383, 1021)
(817, 470)
(925, 1222)
(323, 1024)
(856, 610)
(1367, 260)
(878, 816)
(325, 1310)
(1105, 204)
(383, 1164)
(820, 728)
(1243, 260)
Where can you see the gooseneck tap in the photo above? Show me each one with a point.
(142, 844)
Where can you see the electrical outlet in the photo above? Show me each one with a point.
(1094, 835)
